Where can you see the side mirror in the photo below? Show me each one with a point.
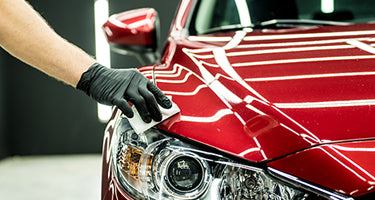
(134, 32)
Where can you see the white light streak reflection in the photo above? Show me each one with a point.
(260, 147)
(342, 148)
(291, 130)
(311, 76)
(310, 139)
(223, 62)
(209, 39)
(168, 74)
(327, 104)
(180, 14)
(354, 164)
(218, 76)
(353, 44)
(302, 60)
(286, 50)
(159, 72)
(209, 64)
(252, 108)
(313, 42)
(192, 93)
(251, 150)
(203, 56)
(216, 86)
(309, 35)
(175, 81)
(249, 99)
(237, 38)
(344, 165)
(362, 46)
(224, 92)
(203, 50)
(240, 118)
(140, 23)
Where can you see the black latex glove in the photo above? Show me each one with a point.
(118, 86)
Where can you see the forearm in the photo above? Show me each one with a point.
(25, 35)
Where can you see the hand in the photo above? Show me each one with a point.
(118, 86)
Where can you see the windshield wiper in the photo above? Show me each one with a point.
(297, 22)
(275, 24)
(227, 28)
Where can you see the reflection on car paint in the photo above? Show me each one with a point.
(251, 90)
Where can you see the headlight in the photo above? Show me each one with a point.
(152, 165)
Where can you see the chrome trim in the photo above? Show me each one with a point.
(293, 180)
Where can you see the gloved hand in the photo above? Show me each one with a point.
(118, 86)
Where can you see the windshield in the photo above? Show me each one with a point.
(219, 15)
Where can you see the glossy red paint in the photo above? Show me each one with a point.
(262, 102)
(111, 189)
(301, 87)
(135, 27)
(344, 167)
(298, 99)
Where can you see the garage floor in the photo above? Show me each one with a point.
(50, 177)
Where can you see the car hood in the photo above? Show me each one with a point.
(265, 94)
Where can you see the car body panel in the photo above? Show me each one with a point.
(299, 100)
(344, 167)
(313, 89)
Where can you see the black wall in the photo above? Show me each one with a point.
(39, 115)
(42, 115)
(3, 151)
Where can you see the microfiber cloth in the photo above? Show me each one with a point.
(139, 126)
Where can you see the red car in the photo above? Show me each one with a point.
(277, 103)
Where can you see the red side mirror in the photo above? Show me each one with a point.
(133, 28)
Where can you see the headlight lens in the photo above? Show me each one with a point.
(153, 166)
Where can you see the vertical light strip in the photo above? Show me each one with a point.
(102, 51)
(328, 6)
(243, 12)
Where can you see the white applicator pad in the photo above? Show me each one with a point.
(140, 126)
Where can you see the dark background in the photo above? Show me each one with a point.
(39, 115)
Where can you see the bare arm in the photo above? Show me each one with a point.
(25, 35)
